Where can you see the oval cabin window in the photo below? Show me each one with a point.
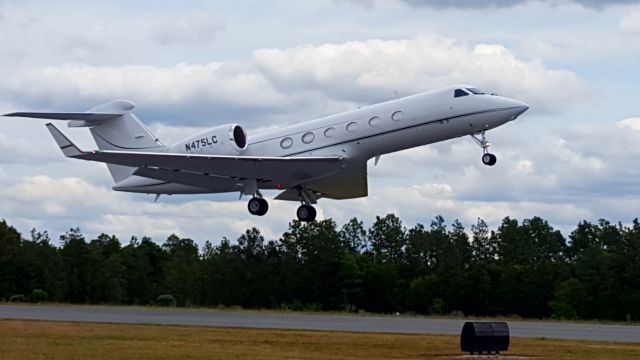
(286, 143)
(352, 126)
(307, 138)
(375, 121)
(330, 132)
(397, 116)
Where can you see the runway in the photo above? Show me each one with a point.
(271, 320)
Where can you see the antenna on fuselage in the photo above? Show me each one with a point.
(397, 94)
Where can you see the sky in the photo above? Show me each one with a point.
(194, 64)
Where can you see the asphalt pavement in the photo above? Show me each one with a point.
(301, 321)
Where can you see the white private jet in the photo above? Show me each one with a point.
(322, 158)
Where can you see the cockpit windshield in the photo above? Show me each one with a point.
(459, 93)
(468, 91)
(476, 91)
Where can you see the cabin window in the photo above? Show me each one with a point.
(397, 116)
(330, 132)
(286, 143)
(307, 138)
(352, 126)
(459, 93)
(375, 121)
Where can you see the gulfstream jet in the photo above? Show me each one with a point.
(321, 158)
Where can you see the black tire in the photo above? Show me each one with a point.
(258, 206)
(264, 207)
(306, 213)
(489, 159)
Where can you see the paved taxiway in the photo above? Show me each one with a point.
(268, 320)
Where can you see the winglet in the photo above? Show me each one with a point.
(68, 148)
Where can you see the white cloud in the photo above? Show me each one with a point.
(632, 123)
(197, 28)
(435, 190)
(70, 202)
(14, 149)
(370, 69)
(61, 197)
(630, 23)
(151, 85)
(313, 79)
(524, 167)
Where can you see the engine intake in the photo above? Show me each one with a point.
(239, 137)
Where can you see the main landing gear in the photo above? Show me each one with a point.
(306, 212)
(257, 205)
(487, 158)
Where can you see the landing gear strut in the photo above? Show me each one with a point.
(257, 205)
(487, 157)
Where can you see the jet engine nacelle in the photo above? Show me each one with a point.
(228, 139)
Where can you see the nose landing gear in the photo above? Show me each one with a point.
(487, 158)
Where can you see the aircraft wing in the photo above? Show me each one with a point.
(289, 171)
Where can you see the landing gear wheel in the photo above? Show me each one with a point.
(258, 206)
(306, 213)
(489, 159)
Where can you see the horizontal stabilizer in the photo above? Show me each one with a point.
(65, 116)
(68, 148)
(111, 110)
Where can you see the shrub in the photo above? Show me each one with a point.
(569, 300)
(437, 307)
(166, 300)
(17, 298)
(39, 295)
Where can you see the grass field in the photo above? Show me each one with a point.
(65, 340)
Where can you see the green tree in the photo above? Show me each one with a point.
(108, 284)
(628, 269)
(39, 266)
(143, 262)
(9, 245)
(77, 266)
(483, 244)
(570, 300)
(319, 252)
(388, 239)
(181, 270)
(353, 236)
(596, 250)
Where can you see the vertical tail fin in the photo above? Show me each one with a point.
(124, 132)
(113, 127)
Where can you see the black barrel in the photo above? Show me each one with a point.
(484, 337)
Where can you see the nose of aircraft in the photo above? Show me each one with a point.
(518, 107)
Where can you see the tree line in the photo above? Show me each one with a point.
(525, 269)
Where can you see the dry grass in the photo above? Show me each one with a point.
(65, 340)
